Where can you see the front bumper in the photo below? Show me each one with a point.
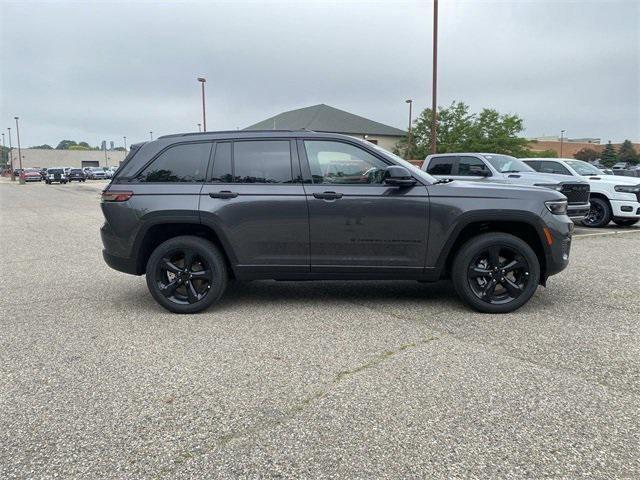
(578, 212)
(557, 254)
(625, 208)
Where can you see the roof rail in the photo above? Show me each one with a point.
(194, 134)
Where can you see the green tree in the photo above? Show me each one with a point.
(541, 154)
(85, 145)
(43, 147)
(627, 153)
(609, 156)
(65, 144)
(587, 154)
(78, 147)
(4, 156)
(459, 130)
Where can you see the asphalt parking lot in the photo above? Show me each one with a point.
(330, 379)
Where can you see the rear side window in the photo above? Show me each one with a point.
(472, 166)
(180, 163)
(264, 161)
(440, 166)
(222, 172)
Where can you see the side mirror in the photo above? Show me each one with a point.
(398, 176)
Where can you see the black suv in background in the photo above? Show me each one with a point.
(76, 174)
(193, 210)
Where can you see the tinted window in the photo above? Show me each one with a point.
(440, 166)
(472, 166)
(553, 167)
(182, 163)
(535, 164)
(262, 161)
(222, 164)
(336, 162)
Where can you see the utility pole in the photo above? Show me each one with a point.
(434, 103)
(19, 151)
(13, 178)
(410, 102)
(204, 113)
(125, 145)
(561, 141)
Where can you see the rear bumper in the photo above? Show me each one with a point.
(126, 265)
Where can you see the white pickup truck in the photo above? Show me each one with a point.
(613, 197)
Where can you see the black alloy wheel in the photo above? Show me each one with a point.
(186, 274)
(496, 272)
(599, 214)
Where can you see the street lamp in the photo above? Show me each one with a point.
(434, 107)
(13, 178)
(19, 151)
(125, 144)
(410, 102)
(199, 127)
(151, 135)
(561, 141)
(204, 114)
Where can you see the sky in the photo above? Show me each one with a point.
(93, 71)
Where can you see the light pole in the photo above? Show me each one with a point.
(13, 178)
(106, 160)
(434, 107)
(199, 127)
(125, 144)
(3, 147)
(410, 102)
(561, 141)
(19, 151)
(204, 113)
(151, 135)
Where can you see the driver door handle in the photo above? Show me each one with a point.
(223, 194)
(327, 195)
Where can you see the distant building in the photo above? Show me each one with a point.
(34, 157)
(570, 146)
(323, 118)
(111, 145)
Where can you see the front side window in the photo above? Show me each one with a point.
(263, 161)
(180, 163)
(508, 164)
(583, 168)
(472, 166)
(341, 163)
(440, 166)
(553, 167)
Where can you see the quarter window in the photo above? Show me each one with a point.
(342, 163)
(181, 163)
(440, 166)
(265, 161)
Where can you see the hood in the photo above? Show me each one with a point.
(615, 179)
(531, 178)
(502, 190)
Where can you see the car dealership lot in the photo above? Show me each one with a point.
(335, 379)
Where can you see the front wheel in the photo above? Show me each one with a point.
(186, 274)
(496, 273)
(599, 215)
(625, 222)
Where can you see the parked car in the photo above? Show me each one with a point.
(490, 167)
(613, 197)
(16, 172)
(76, 174)
(43, 173)
(96, 173)
(32, 175)
(193, 210)
(56, 175)
(621, 166)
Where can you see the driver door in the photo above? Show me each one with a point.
(357, 223)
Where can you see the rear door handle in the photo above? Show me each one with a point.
(223, 194)
(327, 195)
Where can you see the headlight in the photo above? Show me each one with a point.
(627, 188)
(557, 207)
(552, 186)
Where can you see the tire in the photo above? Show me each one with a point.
(176, 281)
(600, 214)
(515, 274)
(625, 222)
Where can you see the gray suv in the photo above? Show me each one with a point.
(192, 211)
(491, 167)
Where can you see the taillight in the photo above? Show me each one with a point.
(113, 196)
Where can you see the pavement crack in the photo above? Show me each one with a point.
(337, 379)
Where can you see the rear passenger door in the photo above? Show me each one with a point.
(253, 198)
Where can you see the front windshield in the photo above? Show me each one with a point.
(409, 166)
(583, 168)
(54, 170)
(508, 164)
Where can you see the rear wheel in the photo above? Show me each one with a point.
(625, 222)
(599, 215)
(496, 273)
(186, 274)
